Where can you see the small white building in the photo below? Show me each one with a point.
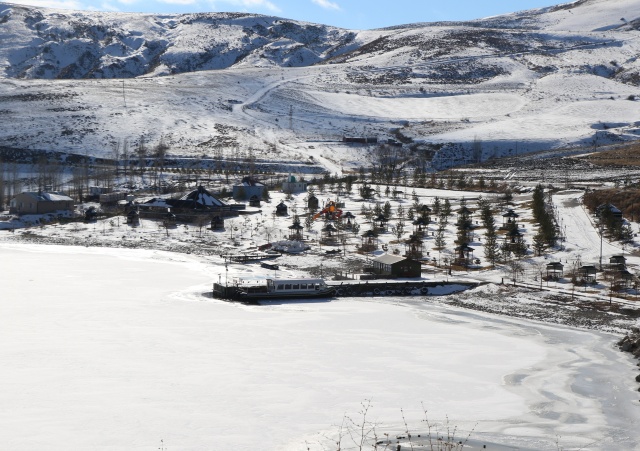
(292, 186)
(248, 188)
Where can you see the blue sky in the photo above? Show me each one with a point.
(355, 14)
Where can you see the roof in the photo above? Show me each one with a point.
(555, 265)
(588, 269)
(203, 197)
(389, 259)
(48, 197)
(248, 181)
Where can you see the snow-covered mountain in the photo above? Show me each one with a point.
(41, 43)
(250, 86)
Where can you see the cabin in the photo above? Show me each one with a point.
(247, 188)
(555, 271)
(282, 209)
(392, 266)
(313, 204)
(217, 223)
(37, 203)
(293, 186)
(254, 201)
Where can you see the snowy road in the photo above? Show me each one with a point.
(583, 240)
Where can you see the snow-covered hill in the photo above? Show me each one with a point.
(44, 43)
(248, 86)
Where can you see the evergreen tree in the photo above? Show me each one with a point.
(386, 211)
(446, 207)
(539, 242)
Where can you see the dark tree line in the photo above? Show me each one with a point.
(547, 230)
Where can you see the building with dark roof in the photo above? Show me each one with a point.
(395, 266)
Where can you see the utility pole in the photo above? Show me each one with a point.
(601, 233)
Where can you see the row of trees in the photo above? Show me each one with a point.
(547, 234)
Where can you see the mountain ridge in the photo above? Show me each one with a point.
(549, 78)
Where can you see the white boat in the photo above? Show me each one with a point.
(264, 289)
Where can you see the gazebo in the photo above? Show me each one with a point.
(509, 216)
(425, 213)
(381, 222)
(464, 254)
(622, 279)
(555, 270)
(617, 262)
(348, 216)
(587, 273)
(296, 229)
(329, 234)
(420, 225)
(414, 247)
(369, 241)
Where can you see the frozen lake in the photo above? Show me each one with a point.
(108, 349)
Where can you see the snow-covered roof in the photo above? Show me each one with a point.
(248, 181)
(50, 197)
(203, 197)
(389, 259)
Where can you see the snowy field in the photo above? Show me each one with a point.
(116, 349)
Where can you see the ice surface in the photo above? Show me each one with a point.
(119, 349)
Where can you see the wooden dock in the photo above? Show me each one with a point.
(373, 288)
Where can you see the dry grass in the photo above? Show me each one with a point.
(627, 156)
(626, 199)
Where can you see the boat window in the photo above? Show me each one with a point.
(303, 286)
(296, 286)
(287, 286)
(317, 286)
(280, 286)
